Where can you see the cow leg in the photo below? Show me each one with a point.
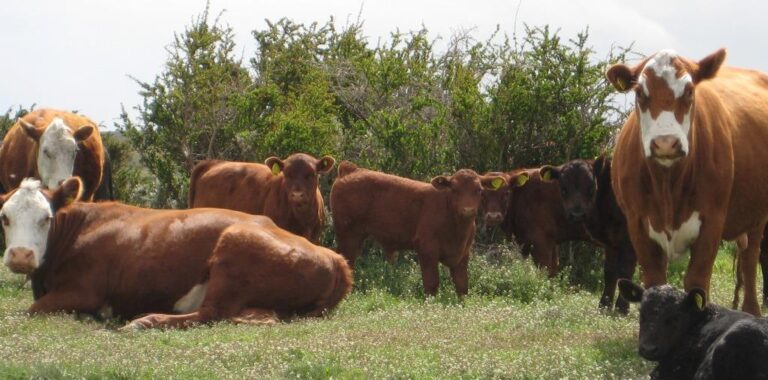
(163, 321)
(764, 267)
(69, 301)
(460, 277)
(627, 264)
(703, 254)
(543, 256)
(255, 316)
(525, 250)
(741, 245)
(430, 275)
(349, 245)
(610, 276)
(652, 260)
(749, 258)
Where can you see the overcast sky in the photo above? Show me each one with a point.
(77, 54)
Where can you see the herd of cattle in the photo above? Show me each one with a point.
(685, 174)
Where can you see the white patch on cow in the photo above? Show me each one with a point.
(29, 215)
(192, 300)
(666, 124)
(56, 154)
(676, 242)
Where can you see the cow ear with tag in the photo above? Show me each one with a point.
(622, 77)
(520, 179)
(549, 173)
(630, 291)
(69, 192)
(325, 164)
(696, 299)
(493, 182)
(275, 164)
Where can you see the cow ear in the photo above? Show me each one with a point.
(84, 132)
(70, 191)
(492, 182)
(33, 132)
(630, 291)
(696, 299)
(622, 77)
(325, 164)
(520, 179)
(441, 182)
(275, 164)
(549, 173)
(709, 66)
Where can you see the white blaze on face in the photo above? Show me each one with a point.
(676, 242)
(665, 124)
(26, 219)
(56, 154)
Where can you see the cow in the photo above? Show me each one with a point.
(534, 216)
(284, 190)
(124, 261)
(587, 197)
(687, 166)
(52, 145)
(690, 338)
(435, 219)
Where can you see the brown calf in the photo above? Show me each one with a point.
(285, 191)
(688, 164)
(436, 220)
(97, 257)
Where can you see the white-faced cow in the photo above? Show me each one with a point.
(52, 145)
(207, 264)
(689, 164)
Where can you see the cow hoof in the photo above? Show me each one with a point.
(131, 327)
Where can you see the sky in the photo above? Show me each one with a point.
(79, 54)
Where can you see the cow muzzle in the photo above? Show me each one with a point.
(21, 260)
(649, 352)
(667, 147)
(493, 218)
(468, 212)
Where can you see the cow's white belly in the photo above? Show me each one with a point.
(676, 242)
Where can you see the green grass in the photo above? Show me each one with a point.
(516, 323)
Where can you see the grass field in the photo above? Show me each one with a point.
(515, 324)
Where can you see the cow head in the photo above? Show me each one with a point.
(495, 203)
(465, 188)
(665, 315)
(578, 187)
(57, 147)
(665, 85)
(300, 172)
(26, 214)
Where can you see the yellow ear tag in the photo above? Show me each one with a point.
(69, 200)
(699, 301)
(275, 169)
(497, 182)
(621, 84)
(546, 176)
(521, 180)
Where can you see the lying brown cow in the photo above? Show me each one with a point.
(92, 257)
(534, 215)
(436, 220)
(689, 164)
(285, 191)
(587, 197)
(52, 145)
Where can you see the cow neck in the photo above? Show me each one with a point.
(671, 188)
(65, 227)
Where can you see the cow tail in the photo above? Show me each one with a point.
(197, 171)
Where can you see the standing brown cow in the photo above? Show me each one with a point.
(689, 164)
(52, 145)
(210, 264)
(285, 191)
(436, 220)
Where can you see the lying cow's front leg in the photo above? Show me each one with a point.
(163, 321)
(68, 302)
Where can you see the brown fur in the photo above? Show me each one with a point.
(253, 188)
(18, 154)
(721, 177)
(136, 260)
(401, 213)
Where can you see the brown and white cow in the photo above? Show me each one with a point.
(284, 190)
(210, 264)
(688, 164)
(588, 198)
(52, 145)
(435, 219)
(533, 214)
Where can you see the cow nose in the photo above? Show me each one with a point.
(577, 215)
(469, 210)
(667, 145)
(648, 351)
(493, 217)
(21, 260)
(297, 195)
